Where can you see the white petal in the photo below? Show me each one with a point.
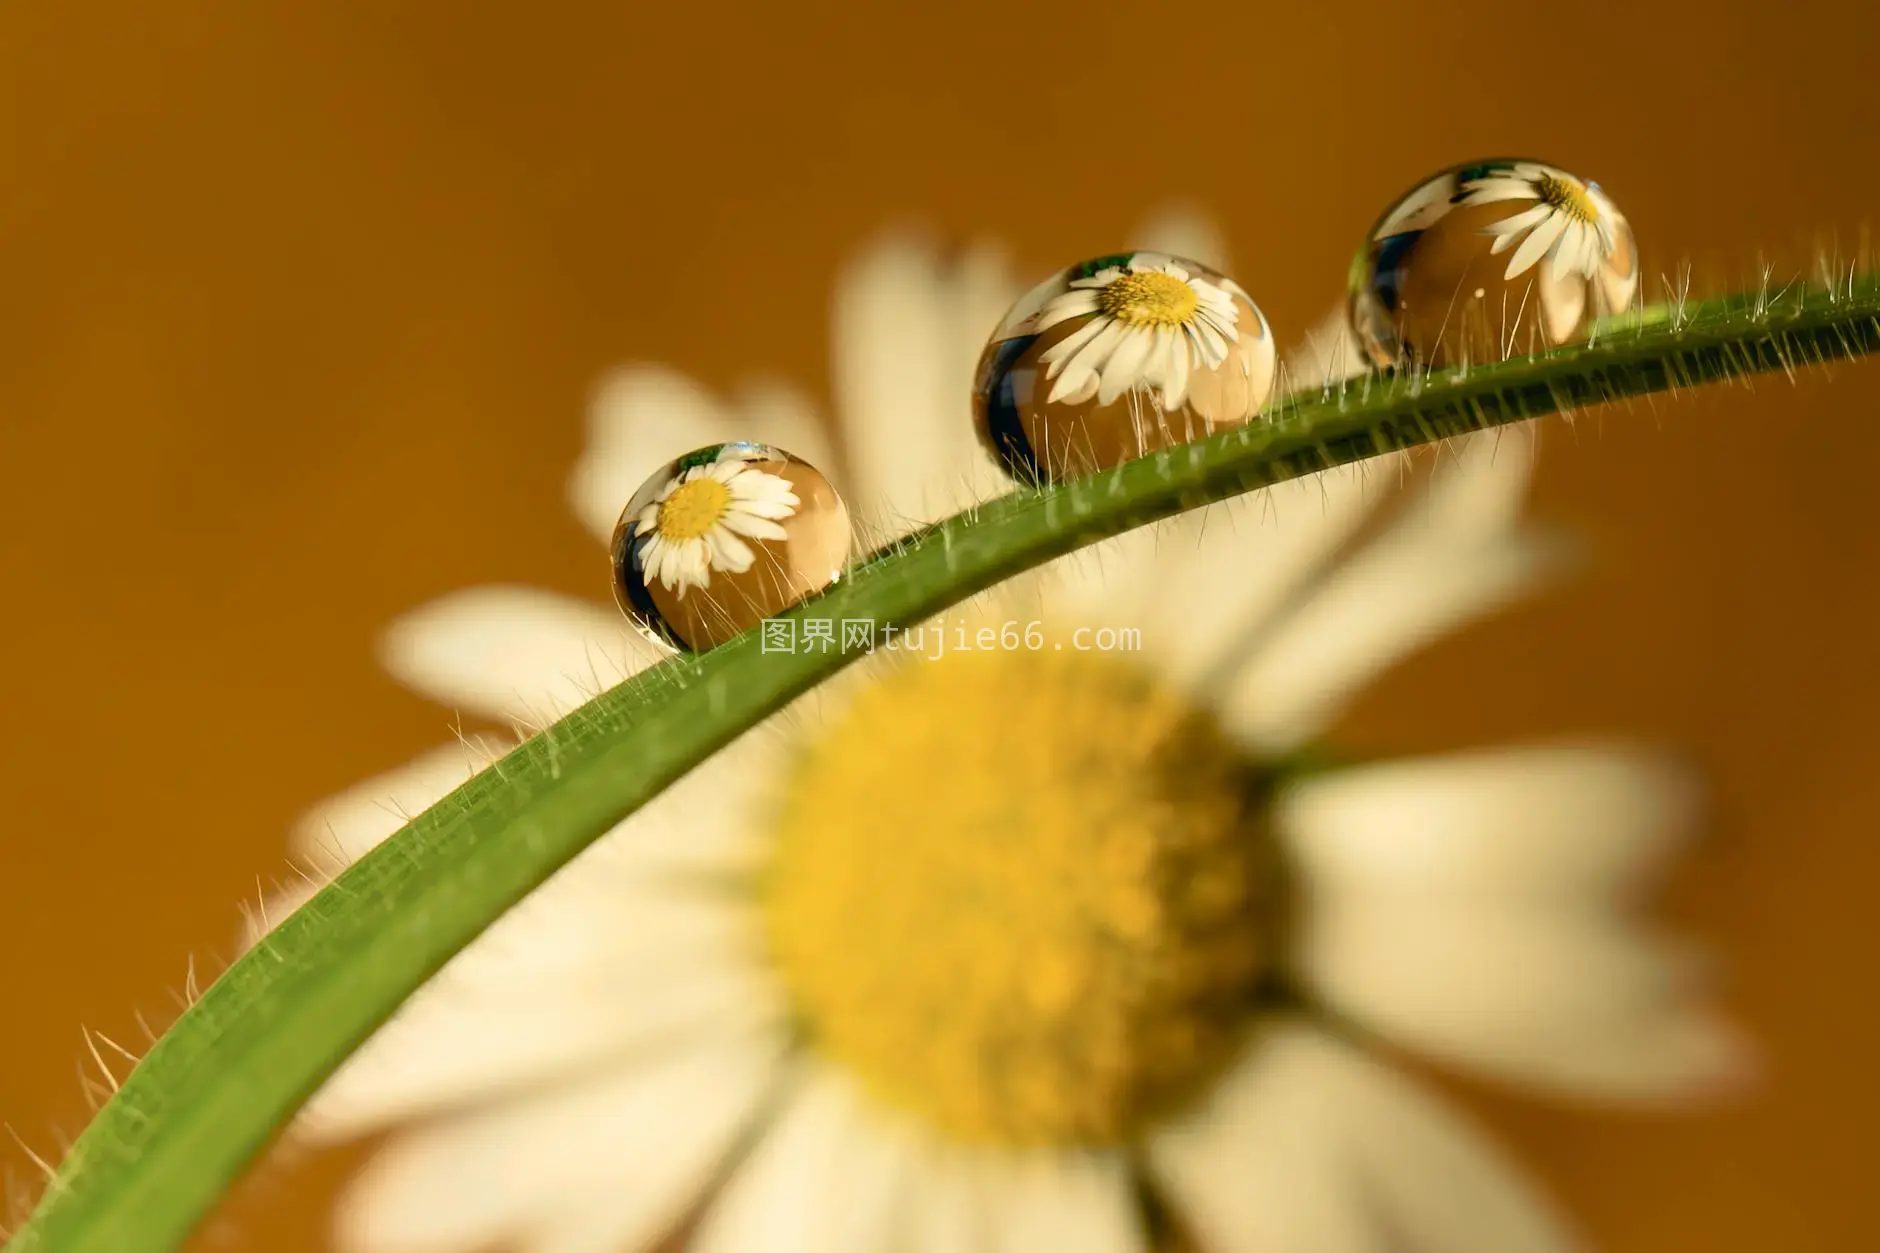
(1569, 1001)
(343, 828)
(513, 653)
(1310, 1145)
(779, 415)
(452, 1048)
(1039, 1201)
(1452, 557)
(1552, 823)
(638, 1146)
(1110, 584)
(826, 1178)
(1184, 230)
(1535, 246)
(908, 328)
(1219, 577)
(946, 1212)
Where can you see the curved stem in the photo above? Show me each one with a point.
(240, 1061)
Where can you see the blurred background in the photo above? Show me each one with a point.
(303, 305)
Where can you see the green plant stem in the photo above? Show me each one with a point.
(233, 1069)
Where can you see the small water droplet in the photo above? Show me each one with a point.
(724, 537)
(1543, 251)
(1117, 357)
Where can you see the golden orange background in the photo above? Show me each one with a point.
(302, 304)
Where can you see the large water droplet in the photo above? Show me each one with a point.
(1117, 357)
(1491, 260)
(724, 537)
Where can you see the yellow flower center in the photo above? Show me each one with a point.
(1149, 298)
(1568, 197)
(1025, 895)
(694, 509)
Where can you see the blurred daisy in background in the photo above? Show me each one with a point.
(1021, 950)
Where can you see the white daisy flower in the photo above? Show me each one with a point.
(693, 524)
(1152, 324)
(979, 953)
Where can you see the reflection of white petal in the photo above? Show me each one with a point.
(1124, 368)
(1492, 190)
(1508, 230)
(512, 653)
(1055, 357)
(1309, 1144)
(1089, 359)
(638, 1146)
(1070, 305)
(1618, 287)
(685, 564)
(1175, 365)
(1563, 301)
(1535, 246)
(728, 552)
(741, 522)
(1420, 210)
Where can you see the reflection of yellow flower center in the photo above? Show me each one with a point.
(1567, 196)
(694, 509)
(1023, 894)
(1149, 298)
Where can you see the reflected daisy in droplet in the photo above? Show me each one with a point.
(1152, 323)
(1117, 357)
(1431, 283)
(1027, 949)
(1572, 225)
(694, 524)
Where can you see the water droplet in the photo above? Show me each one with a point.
(1491, 260)
(1118, 357)
(724, 537)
